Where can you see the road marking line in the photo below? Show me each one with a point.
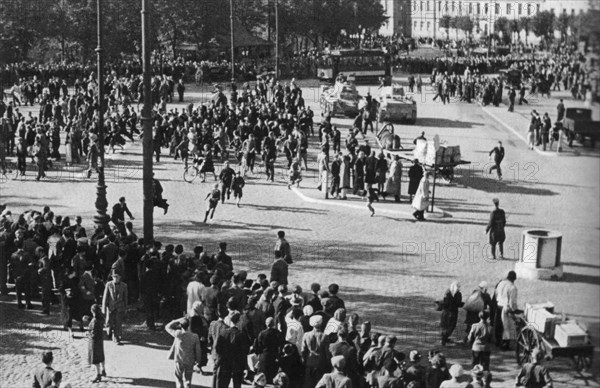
(519, 135)
(437, 213)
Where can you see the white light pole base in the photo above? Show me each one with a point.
(525, 271)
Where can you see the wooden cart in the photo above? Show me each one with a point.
(529, 338)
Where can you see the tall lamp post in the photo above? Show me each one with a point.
(232, 42)
(276, 39)
(101, 218)
(147, 129)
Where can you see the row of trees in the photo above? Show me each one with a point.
(37, 28)
(543, 25)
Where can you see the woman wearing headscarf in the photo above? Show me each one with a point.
(421, 200)
(96, 342)
(393, 182)
(450, 304)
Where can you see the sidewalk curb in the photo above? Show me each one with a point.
(519, 135)
(437, 212)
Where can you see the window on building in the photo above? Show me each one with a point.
(478, 9)
(453, 6)
(485, 8)
(422, 24)
(537, 8)
(520, 9)
(421, 7)
(497, 9)
(528, 9)
(470, 8)
(439, 6)
(508, 9)
(415, 25)
(428, 26)
(459, 7)
(552, 11)
(485, 29)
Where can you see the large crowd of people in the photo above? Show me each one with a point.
(261, 329)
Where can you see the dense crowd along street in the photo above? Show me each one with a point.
(310, 230)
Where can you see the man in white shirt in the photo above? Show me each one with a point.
(193, 292)
(294, 332)
(506, 299)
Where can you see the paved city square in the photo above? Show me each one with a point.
(390, 268)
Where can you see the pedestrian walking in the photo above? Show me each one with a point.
(114, 305)
(237, 186)
(511, 99)
(560, 110)
(158, 200)
(421, 201)
(449, 305)
(480, 336)
(497, 155)
(213, 200)
(185, 351)
(495, 228)
(506, 307)
(96, 342)
(118, 215)
(372, 196)
(415, 174)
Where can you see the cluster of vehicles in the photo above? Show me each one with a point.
(341, 70)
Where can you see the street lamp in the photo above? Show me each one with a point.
(232, 43)
(276, 39)
(101, 218)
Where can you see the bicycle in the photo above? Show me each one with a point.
(190, 173)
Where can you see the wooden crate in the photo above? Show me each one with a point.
(570, 334)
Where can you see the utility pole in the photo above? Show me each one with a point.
(434, 23)
(147, 123)
(277, 39)
(101, 218)
(232, 43)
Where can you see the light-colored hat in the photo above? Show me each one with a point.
(456, 370)
(483, 284)
(338, 362)
(315, 321)
(308, 310)
(414, 355)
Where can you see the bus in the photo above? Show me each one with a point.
(359, 66)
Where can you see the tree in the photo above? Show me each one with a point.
(543, 25)
(514, 29)
(590, 28)
(501, 25)
(465, 24)
(445, 23)
(561, 23)
(454, 25)
(525, 25)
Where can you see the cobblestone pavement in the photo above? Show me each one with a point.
(390, 269)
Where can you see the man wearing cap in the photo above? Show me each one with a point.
(337, 378)
(267, 346)
(533, 374)
(456, 371)
(416, 371)
(231, 349)
(506, 305)
(495, 228)
(497, 153)
(279, 269)
(389, 354)
(347, 350)
(334, 302)
(481, 337)
(315, 352)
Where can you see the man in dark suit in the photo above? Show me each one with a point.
(333, 302)
(231, 348)
(279, 269)
(343, 348)
(118, 215)
(42, 378)
(496, 229)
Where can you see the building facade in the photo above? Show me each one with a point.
(399, 16)
(421, 18)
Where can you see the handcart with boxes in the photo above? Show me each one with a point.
(555, 334)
